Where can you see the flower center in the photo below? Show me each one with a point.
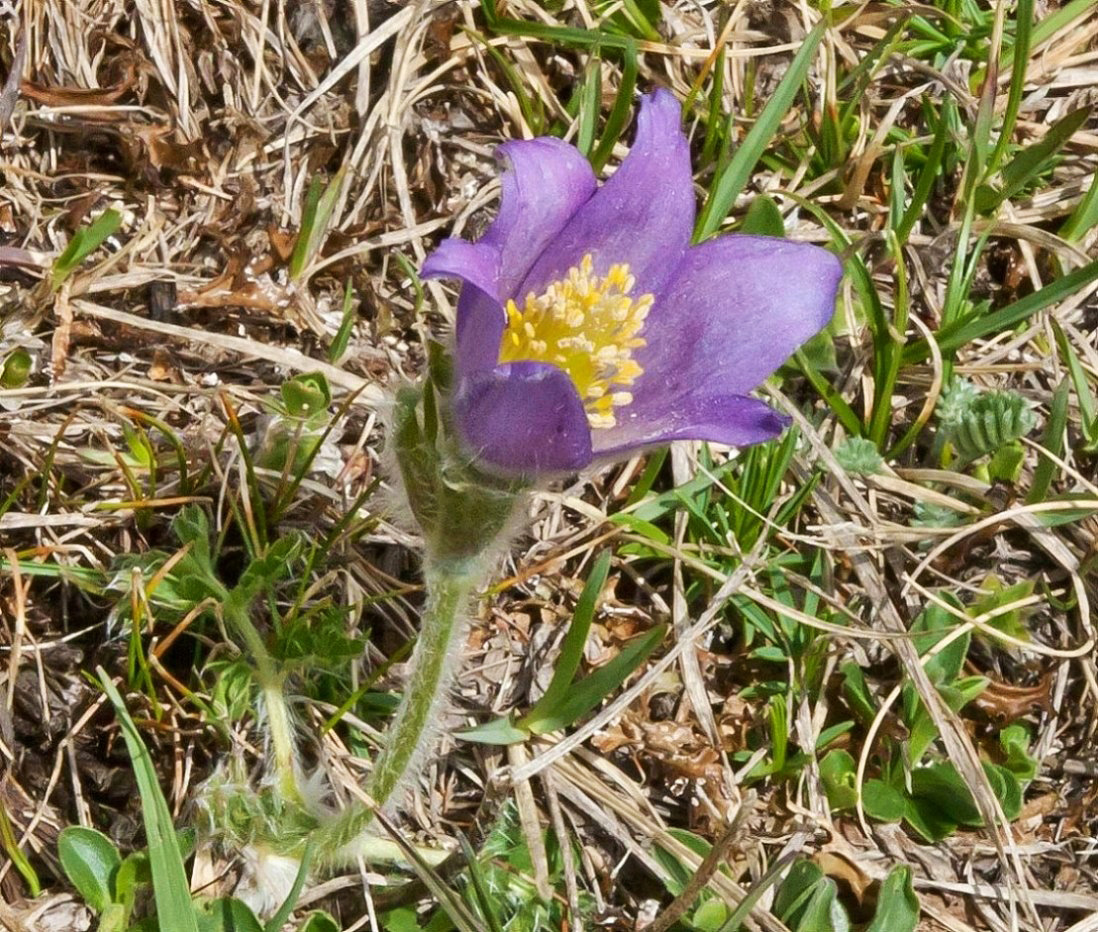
(588, 326)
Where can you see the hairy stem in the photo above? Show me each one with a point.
(412, 732)
(270, 680)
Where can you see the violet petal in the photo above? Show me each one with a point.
(523, 418)
(737, 309)
(545, 183)
(736, 420)
(476, 264)
(643, 215)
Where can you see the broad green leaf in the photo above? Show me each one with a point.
(1014, 740)
(1007, 788)
(897, 904)
(882, 802)
(931, 626)
(223, 915)
(939, 788)
(16, 369)
(763, 218)
(320, 921)
(710, 916)
(837, 772)
(90, 861)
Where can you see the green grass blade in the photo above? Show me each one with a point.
(489, 905)
(1023, 34)
(1084, 216)
(83, 243)
(932, 167)
(316, 218)
(619, 113)
(953, 337)
(735, 176)
(1084, 397)
(591, 690)
(1053, 442)
(571, 651)
(279, 919)
(170, 887)
(1032, 160)
(590, 102)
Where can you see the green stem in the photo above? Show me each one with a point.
(411, 734)
(270, 680)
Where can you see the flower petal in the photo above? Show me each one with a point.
(736, 420)
(480, 317)
(524, 418)
(643, 215)
(545, 183)
(477, 264)
(736, 310)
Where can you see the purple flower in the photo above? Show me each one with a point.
(588, 327)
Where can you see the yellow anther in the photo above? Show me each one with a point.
(588, 326)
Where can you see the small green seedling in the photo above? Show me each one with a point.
(83, 243)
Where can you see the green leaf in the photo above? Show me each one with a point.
(930, 627)
(837, 772)
(133, 874)
(941, 801)
(83, 243)
(1014, 740)
(954, 336)
(1084, 216)
(883, 802)
(619, 113)
(897, 904)
(90, 861)
(497, 731)
(734, 177)
(268, 569)
(857, 694)
(306, 395)
(222, 915)
(1032, 160)
(571, 651)
(1007, 788)
(316, 218)
(590, 691)
(994, 595)
(279, 919)
(170, 886)
(710, 916)
(763, 218)
(799, 884)
(859, 456)
(320, 921)
(16, 369)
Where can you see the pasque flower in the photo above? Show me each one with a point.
(589, 327)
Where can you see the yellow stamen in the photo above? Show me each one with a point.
(588, 326)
